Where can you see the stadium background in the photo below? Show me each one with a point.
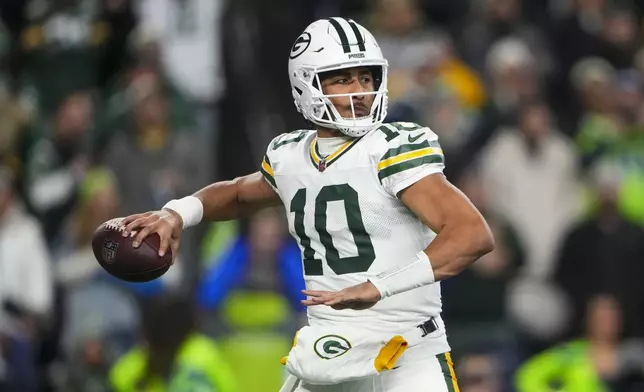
(111, 107)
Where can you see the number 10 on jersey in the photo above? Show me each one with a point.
(362, 240)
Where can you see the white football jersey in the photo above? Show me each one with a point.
(345, 215)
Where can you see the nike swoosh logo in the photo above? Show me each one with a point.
(413, 139)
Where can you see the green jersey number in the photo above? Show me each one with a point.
(339, 265)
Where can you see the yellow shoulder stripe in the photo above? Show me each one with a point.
(409, 155)
(267, 168)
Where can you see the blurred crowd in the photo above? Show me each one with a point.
(112, 107)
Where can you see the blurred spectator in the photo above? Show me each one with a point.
(264, 259)
(403, 38)
(578, 34)
(257, 289)
(187, 29)
(440, 92)
(629, 88)
(15, 113)
(98, 202)
(475, 304)
(120, 19)
(99, 319)
(480, 372)
(174, 356)
(529, 176)
(609, 250)
(155, 159)
(620, 38)
(627, 152)
(574, 37)
(122, 92)
(418, 54)
(101, 322)
(69, 39)
(599, 128)
(495, 20)
(57, 161)
(25, 290)
(148, 155)
(510, 66)
(258, 104)
(639, 61)
(598, 362)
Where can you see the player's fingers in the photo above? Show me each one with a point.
(165, 242)
(334, 300)
(315, 293)
(146, 231)
(131, 218)
(308, 302)
(141, 222)
(174, 246)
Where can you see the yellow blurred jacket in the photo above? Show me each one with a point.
(465, 82)
(199, 367)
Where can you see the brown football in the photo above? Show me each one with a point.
(117, 256)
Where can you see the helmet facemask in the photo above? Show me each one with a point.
(318, 108)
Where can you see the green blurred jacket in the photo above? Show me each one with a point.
(199, 367)
(565, 368)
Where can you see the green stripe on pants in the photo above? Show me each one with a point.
(448, 372)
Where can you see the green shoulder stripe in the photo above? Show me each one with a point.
(268, 178)
(288, 139)
(392, 152)
(406, 126)
(410, 164)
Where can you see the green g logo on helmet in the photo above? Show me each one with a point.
(331, 346)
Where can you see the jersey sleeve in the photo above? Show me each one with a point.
(266, 167)
(275, 152)
(412, 153)
(267, 171)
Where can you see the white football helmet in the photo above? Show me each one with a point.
(328, 45)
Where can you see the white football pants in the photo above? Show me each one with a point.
(434, 374)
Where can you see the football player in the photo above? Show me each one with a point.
(378, 224)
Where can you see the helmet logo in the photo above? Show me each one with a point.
(301, 44)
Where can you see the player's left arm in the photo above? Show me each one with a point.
(411, 170)
(463, 236)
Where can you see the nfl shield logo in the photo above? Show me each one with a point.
(109, 251)
(322, 165)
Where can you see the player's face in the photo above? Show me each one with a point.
(350, 81)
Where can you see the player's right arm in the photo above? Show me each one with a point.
(227, 200)
(221, 201)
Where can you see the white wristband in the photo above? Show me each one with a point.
(403, 278)
(189, 208)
